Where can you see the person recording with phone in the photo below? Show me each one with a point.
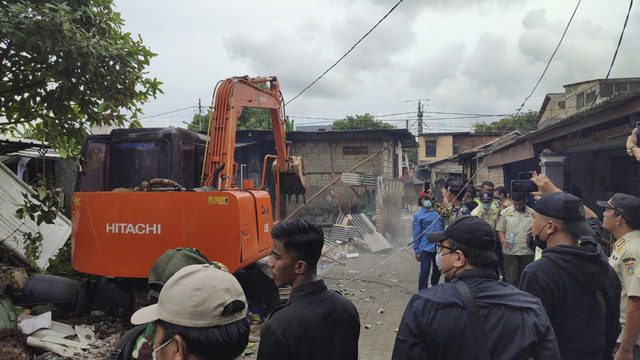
(632, 145)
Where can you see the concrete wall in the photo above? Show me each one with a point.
(553, 111)
(318, 157)
(445, 144)
(494, 174)
(444, 147)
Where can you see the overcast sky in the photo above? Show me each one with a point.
(457, 57)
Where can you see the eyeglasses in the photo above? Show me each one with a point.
(153, 354)
(439, 248)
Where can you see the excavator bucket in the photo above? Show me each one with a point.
(292, 180)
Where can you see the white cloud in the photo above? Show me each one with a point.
(482, 56)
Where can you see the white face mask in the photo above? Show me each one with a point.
(427, 204)
(438, 259)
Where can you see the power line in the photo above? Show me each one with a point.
(615, 54)
(345, 55)
(554, 51)
(493, 148)
(168, 112)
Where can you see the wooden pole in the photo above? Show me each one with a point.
(336, 180)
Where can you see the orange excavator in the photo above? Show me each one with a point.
(136, 196)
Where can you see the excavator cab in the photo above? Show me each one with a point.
(121, 223)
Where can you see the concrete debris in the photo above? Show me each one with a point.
(75, 345)
(85, 334)
(48, 346)
(62, 339)
(352, 255)
(32, 324)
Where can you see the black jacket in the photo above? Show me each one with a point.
(315, 324)
(435, 324)
(566, 279)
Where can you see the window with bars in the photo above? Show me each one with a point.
(430, 148)
(355, 150)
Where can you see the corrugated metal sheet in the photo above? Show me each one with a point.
(389, 206)
(343, 233)
(358, 226)
(372, 238)
(359, 179)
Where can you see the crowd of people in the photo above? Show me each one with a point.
(496, 302)
(571, 303)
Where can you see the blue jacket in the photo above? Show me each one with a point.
(422, 221)
(436, 326)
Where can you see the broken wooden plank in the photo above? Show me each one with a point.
(54, 348)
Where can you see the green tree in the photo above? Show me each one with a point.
(66, 66)
(249, 119)
(525, 122)
(361, 122)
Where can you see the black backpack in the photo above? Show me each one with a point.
(125, 345)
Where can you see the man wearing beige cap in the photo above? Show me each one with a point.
(201, 312)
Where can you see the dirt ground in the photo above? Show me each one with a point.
(383, 284)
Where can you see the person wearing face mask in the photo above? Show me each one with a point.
(490, 212)
(513, 226)
(426, 220)
(578, 288)
(436, 324)
(487, 210)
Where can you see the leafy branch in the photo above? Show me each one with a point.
(41, 207)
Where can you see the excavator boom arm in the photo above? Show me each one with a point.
(232, 95)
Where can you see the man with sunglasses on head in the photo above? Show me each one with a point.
(437, 324)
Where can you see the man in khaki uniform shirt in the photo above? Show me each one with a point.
(622, 218)
(487, 210)
(516, 218)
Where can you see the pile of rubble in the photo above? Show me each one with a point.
(49, 317)
(351, 234)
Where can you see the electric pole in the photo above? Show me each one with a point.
(199, 114)
(420, 108)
